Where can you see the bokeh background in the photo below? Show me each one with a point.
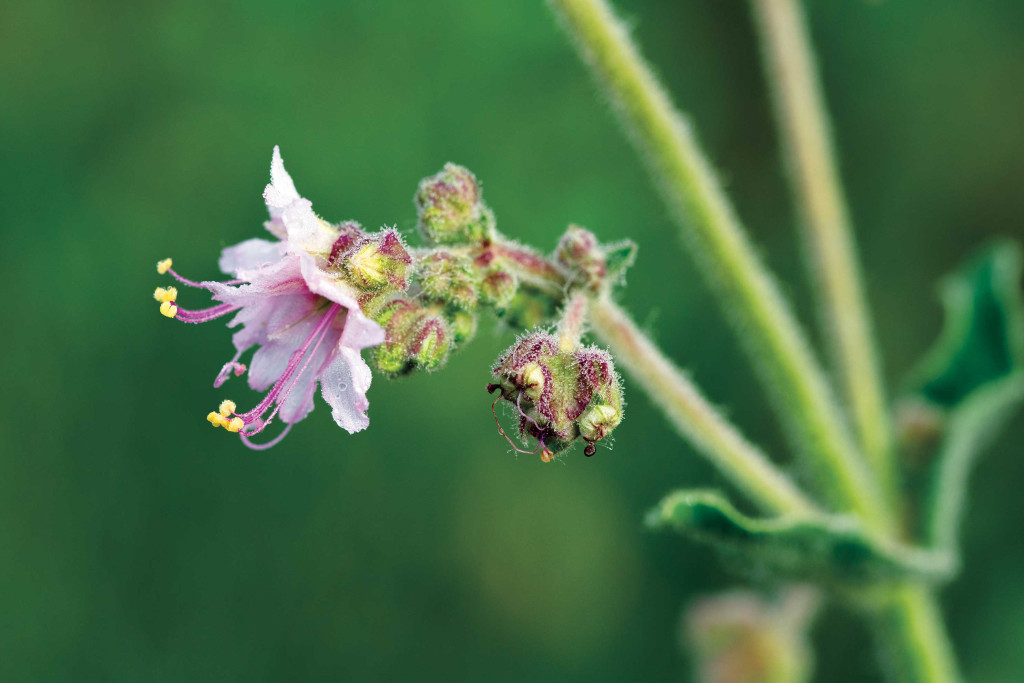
(137, 544)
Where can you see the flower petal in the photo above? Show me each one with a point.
(344, 383)
(249, 255)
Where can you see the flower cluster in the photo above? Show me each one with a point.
(311, 299)
(561, 392)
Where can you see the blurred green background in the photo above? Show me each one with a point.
(137, 544)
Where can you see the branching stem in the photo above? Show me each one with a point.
(797, 387)
(803, 122)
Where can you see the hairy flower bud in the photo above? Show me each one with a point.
(529, 307)
(379, 261)
(431, 343)
(498, 288)
(450, 208)
(449, 278)
(349, 234)
(560, 395)
(589, 263)
(463, 324)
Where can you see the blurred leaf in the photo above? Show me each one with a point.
(825, 549)
(619, 257)
(983, 339)
(971, 383)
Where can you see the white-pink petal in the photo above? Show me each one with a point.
(249, 255)
(343, 384)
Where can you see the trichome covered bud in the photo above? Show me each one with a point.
(589, 263)
(450, 208)
(560, 394)
(378, 261)
(448, 277)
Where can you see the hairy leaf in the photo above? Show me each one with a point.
(822, 548)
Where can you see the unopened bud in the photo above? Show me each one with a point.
(463, 324)
(529, 308)
(560, 394)
(398, 317)
(450, 208)
(432, 342)
(589, 263)
(498, 288)
(449, 278)
(349, 234)
(379, 261)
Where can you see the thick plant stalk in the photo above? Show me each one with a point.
(692, 415)
(912, 638)
(797, 386)
(803, 122)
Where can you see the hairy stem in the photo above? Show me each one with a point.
(803, 122)
(798, 388)
(912, 638)
(693, 415)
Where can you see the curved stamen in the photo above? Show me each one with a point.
(288, 379)
(200, 285)
(264, 446)
(204, 315)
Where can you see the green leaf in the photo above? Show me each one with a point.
(618, 257)
(822, 548)
(971, 383)
(983, 339)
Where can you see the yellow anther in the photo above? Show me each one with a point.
(163, 266)
(215, 419)
(227, 408)
(168, 309)
(235, 424)
(168, 294)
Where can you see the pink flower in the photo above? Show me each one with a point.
(292, 303)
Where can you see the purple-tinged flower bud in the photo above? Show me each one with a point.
(398, 317)
(560, 395)
(498, 288)
(448, 277)
(450, 208)
(349, 234)
(432, 342)
(379, 261)
(589, 263)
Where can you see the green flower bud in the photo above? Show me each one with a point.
(450, 208)
(449, 278)
(379, 261)
(498, 288)
(399, 318)
(463, 324)
(529, 308)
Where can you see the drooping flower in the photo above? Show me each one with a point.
(296, 299)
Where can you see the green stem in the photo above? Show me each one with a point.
(912, 638)
(798, 388)
(803, 122)
(693, 415)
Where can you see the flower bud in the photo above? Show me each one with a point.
(432, 342)
(450, 208)
(528, 308)
(449, 278)
(589, 263)
(739, 636)
(349, 234)
(398, 318)
(498, 288)
(379, 261)
(463, 324)
(560, 395)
